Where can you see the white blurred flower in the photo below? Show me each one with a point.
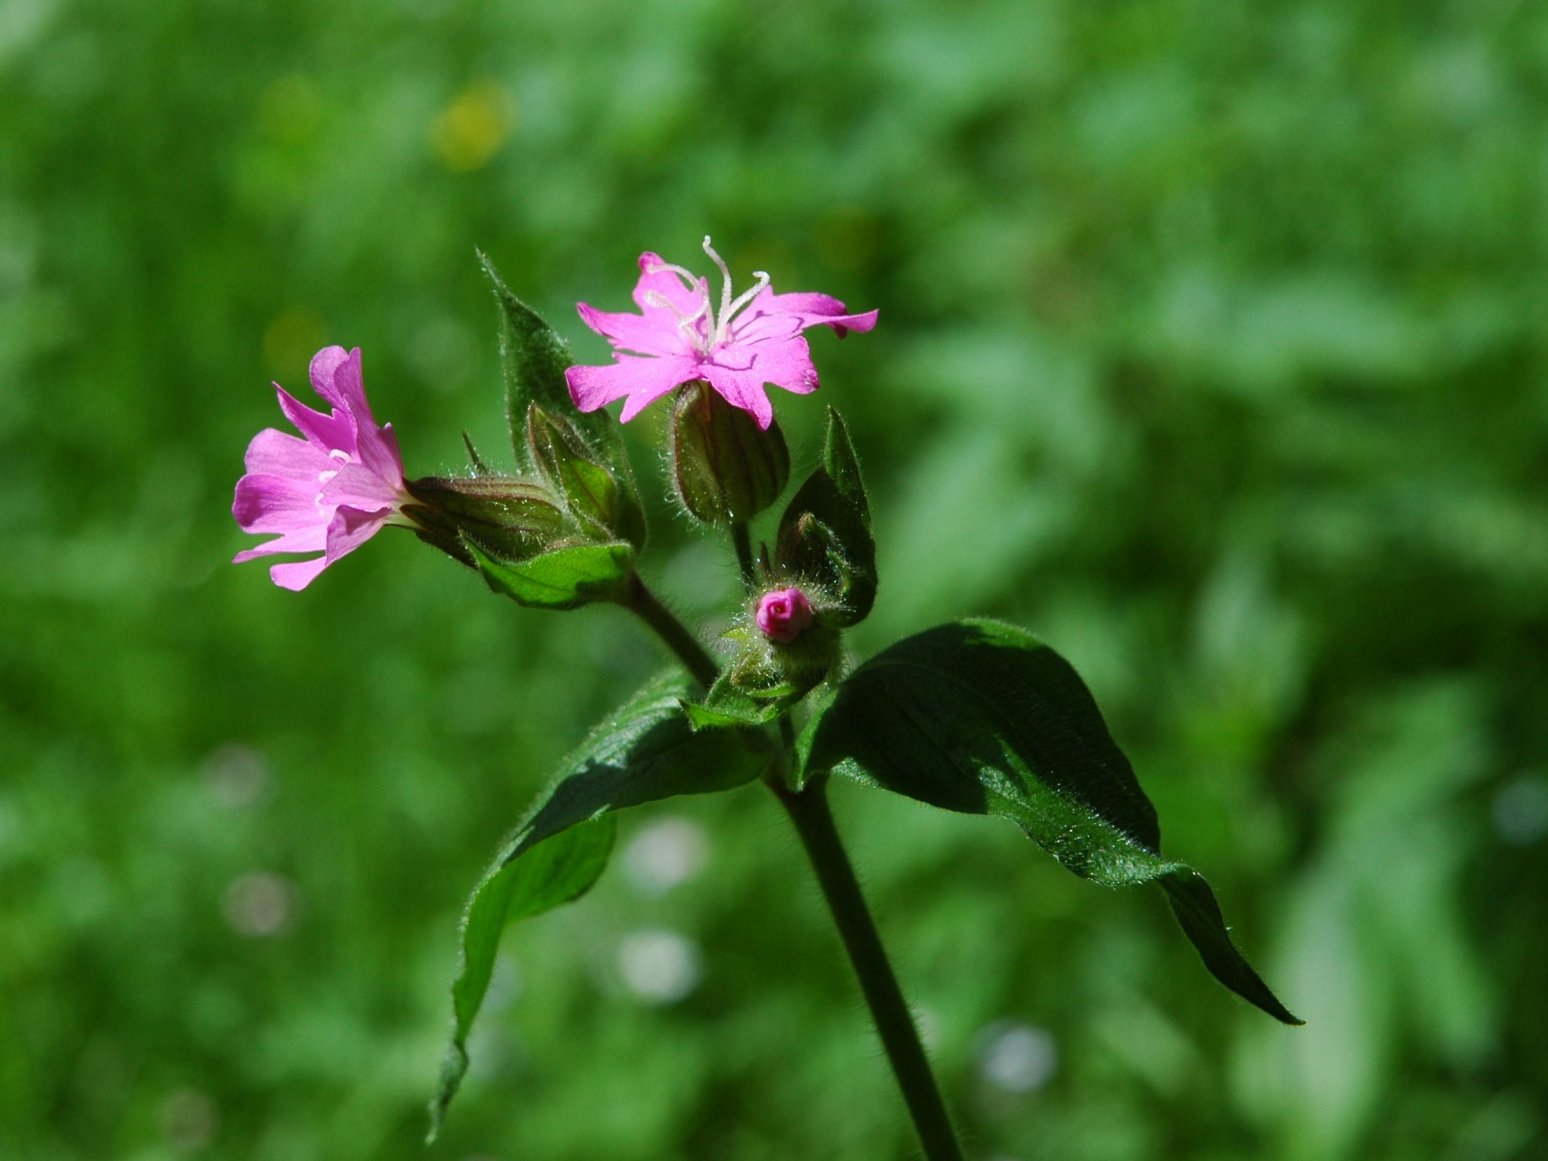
(1016, 1057)
(659, 966)
(259, 904)
(665, 853)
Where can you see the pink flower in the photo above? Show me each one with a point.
(679, 337)
(783, 615)
(328, 492)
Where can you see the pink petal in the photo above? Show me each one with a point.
(378, 449)
(641, 379)
(276, 504)
(742, 389)
(357, 486)
(314, 539)
(295, 575)
(757, 328)
(811, 309)
(349, 529)
(653, 334)
(786, 363)
(335, 375)
(276, 453)
(668, 286)
(326, 431)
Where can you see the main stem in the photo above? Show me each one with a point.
(808, 809)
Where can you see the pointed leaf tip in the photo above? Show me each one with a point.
(983, 718)
(534, 358)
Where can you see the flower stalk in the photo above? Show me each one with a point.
(808, 810)
(813, 820)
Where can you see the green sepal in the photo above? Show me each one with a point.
(480, 468)
(731, 704)
(534, 358)
(645, 751)
(564, 578)
(604, 505)
(508, 517)
(825, 536)
(725, 469)
(765, 678)
(983, 718)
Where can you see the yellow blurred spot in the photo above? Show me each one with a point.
(472, 128)
(290, 340)
(290, 109)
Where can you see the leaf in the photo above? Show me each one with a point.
(983, 718)
(730, 704)
(564, 578)
(557, 871)
(825, 532)
(534, 359)
(591, 491)
(644, 752)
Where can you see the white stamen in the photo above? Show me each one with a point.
(746, 297)
(686, 323)
(720, 326)
(725, 292)
(667, 268)
(716, 326)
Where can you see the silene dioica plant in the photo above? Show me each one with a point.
(975, 716)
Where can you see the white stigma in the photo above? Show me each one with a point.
(729, 308)
(717, 324)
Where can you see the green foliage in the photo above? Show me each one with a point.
(825, 533)
(564, 578)
(1211, 348)
(724, 468)
(534, 357)
(983, 718)
(604, 505)
(643, 752)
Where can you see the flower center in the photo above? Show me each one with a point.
(716, 324)
(338, 456)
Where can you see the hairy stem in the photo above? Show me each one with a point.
(808, 809)
(744, 557)
(641, 601)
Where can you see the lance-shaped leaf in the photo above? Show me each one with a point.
(825, 533)
(644, 752)
(534, 359)
(564, 578)
(982, 717)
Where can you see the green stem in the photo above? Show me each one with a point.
(641, 601)
(744, 557)
(808, 809)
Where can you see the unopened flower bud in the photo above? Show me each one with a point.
(725, 468)
(783, 615)
(510, 518)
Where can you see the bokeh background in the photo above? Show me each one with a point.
(1212, 348)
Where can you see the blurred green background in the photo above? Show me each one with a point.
(1213, 348)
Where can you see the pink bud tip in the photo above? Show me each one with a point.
(784, 614)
